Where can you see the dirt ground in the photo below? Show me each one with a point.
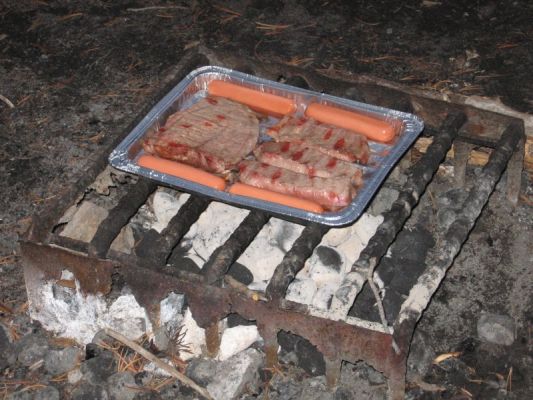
(73, 74)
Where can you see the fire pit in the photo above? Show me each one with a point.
(367, 314)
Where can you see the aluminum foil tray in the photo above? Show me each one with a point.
(383, 157)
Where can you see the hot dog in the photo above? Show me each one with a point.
(182, 171)
(263, 102)
(373, 128)
(242, 189)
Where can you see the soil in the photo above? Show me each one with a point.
(74, 74)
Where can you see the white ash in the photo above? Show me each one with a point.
(301, 291)
(236, 339)
(166, 206)
(344, 245)
(205, 236)
(72, 314)
(268, 249)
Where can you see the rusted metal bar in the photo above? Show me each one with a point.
(157, 247)
(294, 260)
(224, 256)
(119, 216)
(419, 177)
(450, 244)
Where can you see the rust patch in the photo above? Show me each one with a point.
(93, 274)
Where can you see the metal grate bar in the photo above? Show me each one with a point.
(294, 260)
(419, 175)
(119, 216)
(157, 247)
(450, 244)
(224, 256)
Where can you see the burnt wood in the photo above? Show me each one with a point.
(224, 256)
(419, 176)
(119, 216)
(157, 247)
(294, 260)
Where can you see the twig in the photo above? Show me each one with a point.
(381, 309)
(167, 368)
(7, 101)
(156, 8)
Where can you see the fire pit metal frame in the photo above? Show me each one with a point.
(211, 295)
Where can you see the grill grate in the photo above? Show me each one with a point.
(211, 295)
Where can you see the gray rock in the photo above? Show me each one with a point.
(121, 386)
(5, 349)
(421, 356)
(236, 374)
(383, 200)
(57, 362)
(46, 393)
(315, 389)
(202, 370)
(498, 329)
(161, 338)
(32, 348)
(86, 391)
(96, 370)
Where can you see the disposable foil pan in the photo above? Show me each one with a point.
(383, 157)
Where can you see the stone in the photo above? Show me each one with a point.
(322, 297)
(301, 291)
(86, 391)
(121, 386)
(194, 337)
(309, 358)
(366, 226)
(74, 376)
(383, 200)
(96, 370)
(32, 348)
(143, 378)
(161, 339)
(73, 314)
(261, 258)
(202, 370)
(125, 240)
(57, 362)
(329, 257)
(206, 237)
(45, 393)
(421, 356)
(236, 339)
(315, 389)
(322, 273)
(142, 395)
(498, 329)
(85, 222)
(236, 374)
(5, 348)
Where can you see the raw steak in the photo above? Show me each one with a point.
(332, 193)
(331, 140)
(214, 134)
(305, 160)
